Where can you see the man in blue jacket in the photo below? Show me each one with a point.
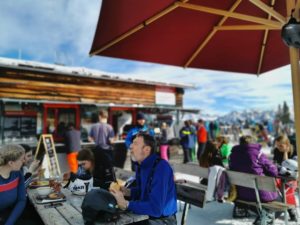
(155, 191)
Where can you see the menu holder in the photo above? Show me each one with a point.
(46, 147)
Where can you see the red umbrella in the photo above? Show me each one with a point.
(231, 34)
(228, 35)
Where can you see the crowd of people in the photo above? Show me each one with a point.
(149, 194)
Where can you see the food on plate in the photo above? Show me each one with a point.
(54, 195)
(39, 183)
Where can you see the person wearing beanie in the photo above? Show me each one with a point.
(140, 127)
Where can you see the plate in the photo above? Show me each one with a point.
(39, 183)
(52, 197)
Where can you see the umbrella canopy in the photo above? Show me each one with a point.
(228, 35)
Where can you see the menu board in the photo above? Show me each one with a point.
(46, 148)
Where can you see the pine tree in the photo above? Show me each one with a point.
(279, 113)
(285, 117)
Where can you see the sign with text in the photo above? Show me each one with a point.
(46, 147)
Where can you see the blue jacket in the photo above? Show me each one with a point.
(187, 137)
(134, 131)
(12, 195)
(158, 198)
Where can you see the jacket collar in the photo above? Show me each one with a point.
(148, 162)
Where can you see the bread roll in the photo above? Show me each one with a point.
(114, 186)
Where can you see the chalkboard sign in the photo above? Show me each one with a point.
(46, 147)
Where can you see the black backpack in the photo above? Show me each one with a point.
(99, 205)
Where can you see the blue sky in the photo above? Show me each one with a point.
(62, 31)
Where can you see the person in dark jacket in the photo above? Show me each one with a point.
(94, 163)
(187, 141)
(247, 157)
(155, 190)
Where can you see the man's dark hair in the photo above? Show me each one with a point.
(200, 121)
(103, 114)
(86, 154)
(71, 125)
(26, 147)
(148, 140)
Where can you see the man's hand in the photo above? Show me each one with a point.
(126, 191)
(122, 203)
(34, 168)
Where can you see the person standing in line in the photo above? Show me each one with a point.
(12, 188)
(202, 138)
(155, 190)
(186, 141)
(194, 135)
(73, 146)
(103, 134)
(140, 127)
(163, 148)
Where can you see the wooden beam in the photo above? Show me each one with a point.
(245, 27)
(263, 46)
(270, 10)
(211, 34)
(227, 13)
(294, 60)
(137, 28)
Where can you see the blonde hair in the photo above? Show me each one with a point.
(284, 139)
(10, 153)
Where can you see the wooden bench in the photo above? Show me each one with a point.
(190, 191)
(259, 183)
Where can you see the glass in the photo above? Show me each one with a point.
(55, 183)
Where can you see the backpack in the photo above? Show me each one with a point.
(99, 205)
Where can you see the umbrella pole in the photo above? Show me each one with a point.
(294, 60)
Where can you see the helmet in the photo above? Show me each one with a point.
(290, 33)
(99, 204)
(289, 168)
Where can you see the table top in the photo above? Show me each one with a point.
(69, 211)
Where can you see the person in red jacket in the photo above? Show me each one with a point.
(201, 137)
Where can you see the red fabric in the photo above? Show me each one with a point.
(290, 188)
(174, 37)
(11, 185)
(202, 135)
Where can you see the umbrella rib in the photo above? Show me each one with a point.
(138, 27)
(245, 27)
(211, 34)
(263, 47)
(269, 10)
(239, 16)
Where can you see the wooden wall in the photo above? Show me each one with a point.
(25, 84)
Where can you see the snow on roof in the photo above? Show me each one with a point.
(80, 71)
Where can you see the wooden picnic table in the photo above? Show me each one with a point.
(69, 211)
